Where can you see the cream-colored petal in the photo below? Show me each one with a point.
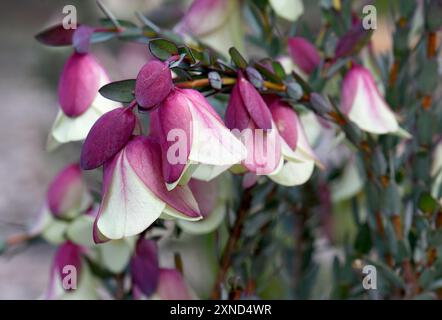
(129, 207)
(293, 173)
(288, 9)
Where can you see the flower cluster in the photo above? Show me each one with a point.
(172, 144)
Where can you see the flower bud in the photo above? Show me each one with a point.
(80, 80)
(144, 266)
(153, 84)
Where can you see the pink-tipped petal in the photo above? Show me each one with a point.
(144, 266)
(144, 156)
(171, 286)
(108, 136)
(304, 54)
(363, 103)
(79, 83)
(153, 84)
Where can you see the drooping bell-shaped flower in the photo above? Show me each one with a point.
(303, 54)
(134, 194)
(107, 136)
(153, 84)
(81, 103)
(191, 135)
(362, 102)
(214, 22)
(68, 195)
(66, 269)
(144, 267)
(298, 155)
(248, 113)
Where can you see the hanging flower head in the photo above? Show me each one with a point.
(363, 103)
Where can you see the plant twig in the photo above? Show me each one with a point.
(232, 243)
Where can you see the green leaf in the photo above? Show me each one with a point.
(389, 274)
(426, 203)
(363, 241)
(278, 69)
(163, 49)
(237, 58)
(269, 75)
(121, 91)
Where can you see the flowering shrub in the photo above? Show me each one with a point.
(252, 156)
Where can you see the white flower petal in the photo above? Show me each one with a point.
(129, 207)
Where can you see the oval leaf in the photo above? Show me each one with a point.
(121, 91)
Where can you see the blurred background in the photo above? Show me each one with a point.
(29, 76)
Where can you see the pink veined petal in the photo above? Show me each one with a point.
(212, 143)
(144, 156)
(304, 54)
(66, 190)
(200, 102)
(171, 286)
(107, 136)
(153, 84)
(144, 266)
(236, 116)
(205, 193)
(254, 104)
(175, 121)
(363, 103)
(79, 83)
(286, 122)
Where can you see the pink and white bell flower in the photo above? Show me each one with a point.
(68, 195)
(70, 277)
(249, 117)
(134, 194)
(214, 22)
(80, 102)
(194, 140)
(299, 158)
(362, 102)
